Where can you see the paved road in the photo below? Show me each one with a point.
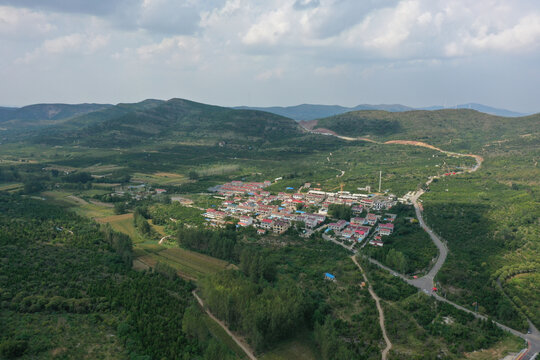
(425, 283)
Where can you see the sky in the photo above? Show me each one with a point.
(266, 53)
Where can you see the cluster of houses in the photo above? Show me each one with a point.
(252, 205)
(359, 228)
(138, 192)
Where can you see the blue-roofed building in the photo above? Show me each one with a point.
(329, 276)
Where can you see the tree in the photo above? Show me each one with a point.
(340, 211)
(120, 208)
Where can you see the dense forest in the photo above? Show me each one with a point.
(64, 280)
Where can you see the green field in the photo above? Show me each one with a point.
(188, 263)
(77, 204)
(124, 224)
(499, 350)
(11, 187)
(301, 347)
(160, 178)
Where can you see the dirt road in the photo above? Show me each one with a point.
(236, 339)
(379, 308)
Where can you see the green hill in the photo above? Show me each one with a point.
(175, 120)
(44, 114)
(455, 129)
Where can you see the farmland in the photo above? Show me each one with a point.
(188, 264)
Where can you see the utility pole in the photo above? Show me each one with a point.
(380, 178)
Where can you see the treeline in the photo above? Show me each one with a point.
(140, 222)
(265, 314)
(222, 243)
(339, 211)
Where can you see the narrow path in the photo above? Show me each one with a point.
(245, 347)
(379, 308)
(163, 239)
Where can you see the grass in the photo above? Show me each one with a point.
(499, 350)
(124, 224)
(218, 332)
(161, 178)
(100, 169)
(10, 187)
(302, 347)
(188, 264)
(78, 205)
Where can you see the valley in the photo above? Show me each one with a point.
(150, 171)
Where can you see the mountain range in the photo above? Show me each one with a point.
(312, 111)
(49, 114)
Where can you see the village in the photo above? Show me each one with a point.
(306, 209)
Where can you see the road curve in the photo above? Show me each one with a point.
(425, 283)
(379, 308)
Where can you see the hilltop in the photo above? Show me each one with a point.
(43, 114)
(173, 120)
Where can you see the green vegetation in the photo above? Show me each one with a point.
(409, 248)
(60, 272)
(174, 119)
(71, 282)
(422, 328)
(461, 129)
(188, 264)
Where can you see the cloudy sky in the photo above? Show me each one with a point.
(280, 52)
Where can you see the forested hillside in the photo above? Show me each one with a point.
(176, 120)
(44, 114)
(491, 221)
(460, 129)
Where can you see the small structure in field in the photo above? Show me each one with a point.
(328, 276)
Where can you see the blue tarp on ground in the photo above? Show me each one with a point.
(290, 188)
(329, 276)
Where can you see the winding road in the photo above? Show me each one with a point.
(426, 282)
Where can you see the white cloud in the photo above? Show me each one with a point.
(525, 35)
(270, 74)
(73, 43)
(252, 42)
(23, 23)
(331, 70)
(176, 50)
(269, 28)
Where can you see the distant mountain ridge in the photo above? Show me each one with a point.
(314, 111)
(39, 113)
(479, 107)
(306, 112)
